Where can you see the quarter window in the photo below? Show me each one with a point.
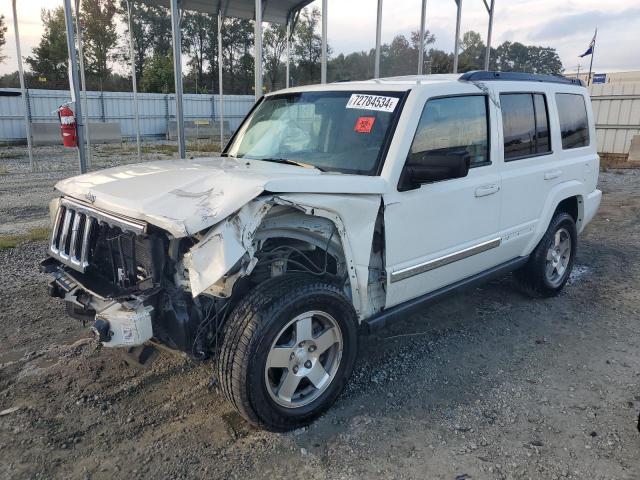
(452, 126)
(525, 124)
(574, 126)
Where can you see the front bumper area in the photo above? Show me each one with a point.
(118, 322)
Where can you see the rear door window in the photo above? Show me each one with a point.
(525, 124)
(574, 126)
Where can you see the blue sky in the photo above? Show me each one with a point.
(566, 25)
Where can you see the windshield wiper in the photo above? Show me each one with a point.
(288, 161)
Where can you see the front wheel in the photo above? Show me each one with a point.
(288, 349)
(550, 264)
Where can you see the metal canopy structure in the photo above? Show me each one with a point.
(282, 12)
(273, 11)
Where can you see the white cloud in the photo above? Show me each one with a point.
(565, 25)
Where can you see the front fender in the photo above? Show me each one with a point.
(209, 261)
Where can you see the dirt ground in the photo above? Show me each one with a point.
(486, 384)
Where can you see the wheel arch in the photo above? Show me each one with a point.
(565, 197)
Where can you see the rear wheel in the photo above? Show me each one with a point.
(550, 264)
(288, 349)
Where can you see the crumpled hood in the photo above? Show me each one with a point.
(187, 196)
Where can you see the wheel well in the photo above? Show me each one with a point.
(570, 206)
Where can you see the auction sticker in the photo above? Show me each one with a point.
(372, 102)
(364, 124)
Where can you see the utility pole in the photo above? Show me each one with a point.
(74, 84)
(23, 89)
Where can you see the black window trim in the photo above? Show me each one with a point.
(531, 93)
(586, 113)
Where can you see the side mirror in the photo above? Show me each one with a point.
(426, 168)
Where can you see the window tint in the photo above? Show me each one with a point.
(452, 126)
(574, 126)
(525, 124)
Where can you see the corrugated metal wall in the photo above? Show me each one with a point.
(616, 107)
(156, 109)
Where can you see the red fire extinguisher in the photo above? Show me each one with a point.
(68, 126)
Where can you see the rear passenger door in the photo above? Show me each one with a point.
(530, 167)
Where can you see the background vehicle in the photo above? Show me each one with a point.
(333, 207)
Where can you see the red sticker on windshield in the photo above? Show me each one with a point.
(364, 124)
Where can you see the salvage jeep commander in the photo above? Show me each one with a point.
(333, 207)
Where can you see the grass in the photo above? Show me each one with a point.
(192, 147)
(12, 241)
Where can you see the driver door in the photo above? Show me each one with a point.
(441, 232)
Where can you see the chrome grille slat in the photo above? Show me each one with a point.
(72, 228)
(74, 237)
(84, 255)
(62, 246)
(56, 229)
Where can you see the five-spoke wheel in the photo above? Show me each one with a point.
(303, 359)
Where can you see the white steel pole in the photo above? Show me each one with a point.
(323, 58)
(74, 84)
(25, 100)
(177, 72)
(134, 81)
(83, 82)
(258, 49)
(487, 54)
(423, 20)
(376, 67)
(457, 42)
(288, 53)
(220, 98)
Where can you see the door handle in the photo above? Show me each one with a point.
(487, 190)
(550, 175)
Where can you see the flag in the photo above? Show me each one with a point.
(592, 44)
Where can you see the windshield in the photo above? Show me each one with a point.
(332, 130)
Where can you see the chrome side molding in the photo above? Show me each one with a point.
(407, 272)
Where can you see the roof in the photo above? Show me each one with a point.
(405, 82)
(273, 11)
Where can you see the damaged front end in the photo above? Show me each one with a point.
(134, 283)
(119, 275)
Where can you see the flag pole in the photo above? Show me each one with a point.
(593, 51)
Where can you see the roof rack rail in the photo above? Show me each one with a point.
(480, 75)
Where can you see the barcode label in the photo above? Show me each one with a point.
(372, 102)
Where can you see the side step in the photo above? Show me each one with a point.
(399, 312)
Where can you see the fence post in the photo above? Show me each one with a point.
(166, 113)
(102, 112)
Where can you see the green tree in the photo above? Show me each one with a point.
(100, 36)
(3, 40)
(196, 41)
(158, 75)
(307, 47)
(516, 57)
(237, 49)
(439, 61)
(274, 47)
(472, 54)
(49, 58)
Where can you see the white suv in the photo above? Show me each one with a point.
(332, 207)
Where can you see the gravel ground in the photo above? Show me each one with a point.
(24, 195)
(486, 384)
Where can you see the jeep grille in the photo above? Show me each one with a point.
(72, 232)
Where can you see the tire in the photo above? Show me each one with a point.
(535, 276)
(264, 329)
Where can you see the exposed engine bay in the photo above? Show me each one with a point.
(133, 282)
